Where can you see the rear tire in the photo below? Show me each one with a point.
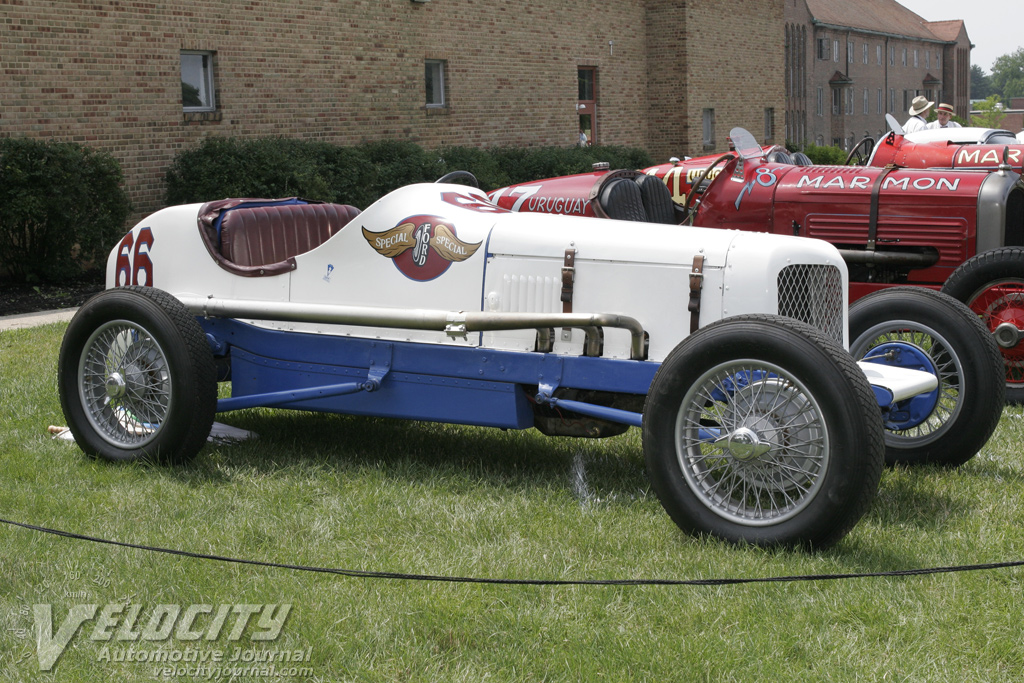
(136, 377)
(969, 369)
(992, 285)
(759, 429)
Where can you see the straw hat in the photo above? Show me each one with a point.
(948, 108)
(920, 105)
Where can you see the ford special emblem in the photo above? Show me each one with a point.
(422, 247)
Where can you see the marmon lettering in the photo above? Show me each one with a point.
(863, 183)
(991, 156)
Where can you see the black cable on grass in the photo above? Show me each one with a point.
(356, 573)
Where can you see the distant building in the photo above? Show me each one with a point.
(850, 63)
(145, 80)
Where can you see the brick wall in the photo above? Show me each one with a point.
(107, 75)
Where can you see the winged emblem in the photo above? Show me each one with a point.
(420, 236)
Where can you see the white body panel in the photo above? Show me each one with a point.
(624, 268)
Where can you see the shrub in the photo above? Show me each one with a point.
(61, 206)
(265, 167)
(276, 167)
(827, 156)
(479, 162)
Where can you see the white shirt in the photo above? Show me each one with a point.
(936, 124)
(914, 123)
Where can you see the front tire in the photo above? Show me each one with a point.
(136, 377)
(759, 429)
(970, 400)
(992, 285)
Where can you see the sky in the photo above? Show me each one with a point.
(992, 25)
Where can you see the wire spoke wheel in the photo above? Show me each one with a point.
(1000, 305)
(125, 383)
(947, 365)
(763, 461)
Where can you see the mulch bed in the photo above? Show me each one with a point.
(17, 297)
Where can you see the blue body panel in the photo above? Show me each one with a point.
(463, 385)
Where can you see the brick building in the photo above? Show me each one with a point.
(144, 80)
(850, 63)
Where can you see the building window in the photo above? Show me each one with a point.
(904, 56)
(823, 49)
(881, 102)
(927, 59)
(864, 51)
(835, 50)
(769, 123)
(915, 59)
(892, 99)
(836, 101)
(849, 101)
(878, 54)
(708, 121)
(821, 109)
(849, 52)
(433, 78)
(892, 55)
(866, 101)
(586, 103)
(197, 81)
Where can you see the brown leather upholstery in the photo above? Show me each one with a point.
(261, 236)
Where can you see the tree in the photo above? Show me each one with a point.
(1008, 75)
(980, 85)
(989, 113)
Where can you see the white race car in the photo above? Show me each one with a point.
(727, 348)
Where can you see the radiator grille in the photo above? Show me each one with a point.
(813, 294)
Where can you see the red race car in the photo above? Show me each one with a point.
(958, 230)
(985, 148)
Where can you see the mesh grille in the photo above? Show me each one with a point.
(813, 294)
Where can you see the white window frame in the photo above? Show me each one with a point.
(435, 69)
(769, 123)
(205, 84)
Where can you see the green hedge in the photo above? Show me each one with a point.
(825, 156)
(278, 167)
(61, 206)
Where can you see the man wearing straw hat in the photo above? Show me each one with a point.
(944, 112)
(918, 108)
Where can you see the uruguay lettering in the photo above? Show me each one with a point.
(564, 205)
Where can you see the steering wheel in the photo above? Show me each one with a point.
(862, 157)
(703, 176)
(459, 175)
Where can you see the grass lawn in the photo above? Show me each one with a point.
(407, 497)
